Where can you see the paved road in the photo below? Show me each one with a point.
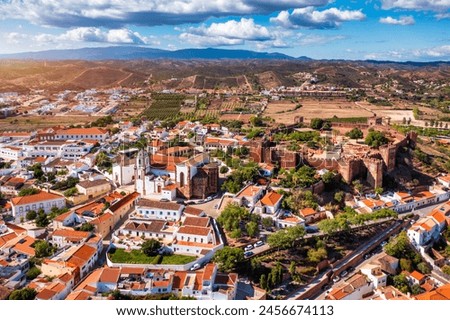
(209, 207)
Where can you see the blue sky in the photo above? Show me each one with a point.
(322, 29)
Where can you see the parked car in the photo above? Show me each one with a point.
(336, 279)
(259, 243)
(344, 273)
(248, 254)
(248, 248)
(195, 267)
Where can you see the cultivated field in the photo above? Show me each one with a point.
(283, 111)
(28, 123)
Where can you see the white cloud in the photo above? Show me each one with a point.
(436, 52)
(441, 16)
(91, 34)
(245, 29)
(423, 5)
(313, 39)
(118, 13)
(205, 41)
(15, 37)
(425, 54)
(310, 18)
(275, 44)
(234, 32)
(402, 21)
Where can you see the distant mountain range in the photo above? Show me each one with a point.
(132, 53)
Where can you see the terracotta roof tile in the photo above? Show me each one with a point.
(271, 198)
(39, 197)
(196, 221)
(110, 275)
(158, 204)
(200, 231)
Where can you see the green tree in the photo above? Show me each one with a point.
(358, 185)
(256, 121)
(424, 268)
(277, 274)
(231, 215)
(42, 220)
(31, 215)
(88, 227)
(447, 249)
(267, 222)
(71, 192)
(317, 255)
(38, 173)
(446, 269)
(376, 139)
(28, 191)
(398, 247)
(103, 161)
(329, 226)
(316, 123)
(224, 169)
(263, 282)
(416, 113)
(401, 283)
(379, 190)
(406, 264)
(33, 273)
(252, 229)
(339, 197)
(328, 177)
(23, 294)
(286, 238)
(292, 267)
(228, 258)
(236, 234)
(43, 249)
(416, 289)
(355, 133)
(151, 247)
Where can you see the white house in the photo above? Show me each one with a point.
(11, 152)
(271, 202)
(151, 229)
(355, 288)
(444, 180)
(287, 219)
(151, 209)
(98, 134)
(65, 237)
(423, 231)
(374, 274)
(69, 219)
(249, 195)
(42, 200)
